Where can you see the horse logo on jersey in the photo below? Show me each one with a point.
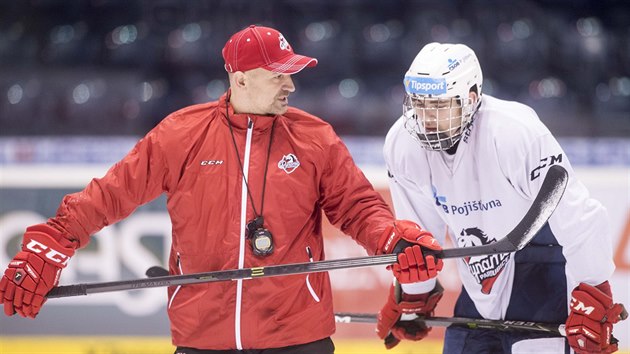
(485, 269)
(288, 163)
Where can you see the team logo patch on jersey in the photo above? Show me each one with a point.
(440, 200)
(288, 163)
(485, 269)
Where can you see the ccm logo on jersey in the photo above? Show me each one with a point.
(51, 254)
(545, 162)
(578, 306)
(211, 162)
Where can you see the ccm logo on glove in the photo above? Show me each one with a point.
(578, 306)
(51, 254)
(590, 322)
(34, 270)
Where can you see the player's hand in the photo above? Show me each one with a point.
(590, 322)
(34, 271)
(416, 249)
(392, 329)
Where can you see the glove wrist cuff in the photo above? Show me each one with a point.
(387, 241)
(605, 288)
(423, 304)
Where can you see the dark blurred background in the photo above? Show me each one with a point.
(117, 67)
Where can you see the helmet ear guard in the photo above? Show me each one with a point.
(440, 75)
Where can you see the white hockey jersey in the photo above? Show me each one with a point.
(480, 193)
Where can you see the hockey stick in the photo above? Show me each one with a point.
(470, 323)
(544, 204)
(555, 329)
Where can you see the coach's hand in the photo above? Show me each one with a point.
(392, 329)
(34, 271)
(416, 250)
(590, 322)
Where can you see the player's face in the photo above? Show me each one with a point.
(268, 92)
(441, 117)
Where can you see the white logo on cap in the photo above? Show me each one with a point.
(284, 45)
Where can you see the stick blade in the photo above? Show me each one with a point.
(539, 212)
(542, 208)
(156, 271)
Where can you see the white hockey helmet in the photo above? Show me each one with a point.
(444, 73)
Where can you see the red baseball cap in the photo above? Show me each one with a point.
(263, 47)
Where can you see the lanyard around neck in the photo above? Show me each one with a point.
(251, 199)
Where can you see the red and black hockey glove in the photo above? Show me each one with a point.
(416, 249)
(392, 329)
(591, 318)
(34, 271)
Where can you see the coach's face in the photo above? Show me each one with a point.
(266, 92)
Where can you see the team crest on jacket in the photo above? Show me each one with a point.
(485, 269)
(288, 163)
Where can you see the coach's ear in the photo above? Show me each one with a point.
(240, 79)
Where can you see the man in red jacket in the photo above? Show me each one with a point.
(247, 178)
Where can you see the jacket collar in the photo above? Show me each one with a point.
(239, 120)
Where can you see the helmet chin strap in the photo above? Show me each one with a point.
(453, 149)
(436, 141)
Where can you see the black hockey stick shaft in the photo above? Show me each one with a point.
(541, 209)
(470, 323)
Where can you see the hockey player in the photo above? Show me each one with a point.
(468, 165)
(247, 178)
